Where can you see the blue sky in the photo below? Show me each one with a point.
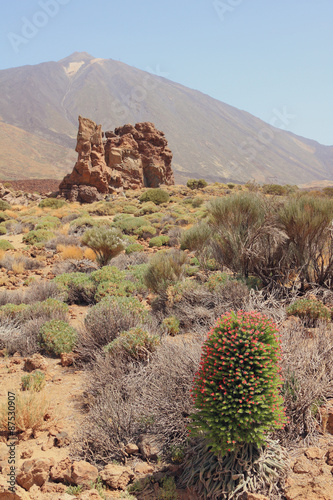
(268, 57)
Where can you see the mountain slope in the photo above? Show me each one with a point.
(208, 138)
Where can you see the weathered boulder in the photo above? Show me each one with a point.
(117, 476)
(83, 473)
(35, 471)
(130, 157)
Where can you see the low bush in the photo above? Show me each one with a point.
(164, 269)
(78, 288)
(51, 203)
(170, 325)
(148, 207)
(4, 205)
(106, 243)
(159, 241)
(6, 245)
(106, 320)
(30, 410)
(274, 189)
(57, 336)
(310, 311)
(135, 343)
(196, 183)
(145, 232)
(155, 195)
(307, 370)
(34, 381)
(47, 223)
(37, 237)
(128, 224)
(134, 247)
(130, 398)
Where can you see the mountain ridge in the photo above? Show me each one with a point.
(209, 138)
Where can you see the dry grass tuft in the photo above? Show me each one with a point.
(18, 267)
(70, 252)
(30, 412)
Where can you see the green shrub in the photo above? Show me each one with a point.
(197, 202)
(51, 203)
(145, 232)
(6, 245)
(3, 216)
(217, 280)
(307, 222)
(165, 269)
(57, 336)
(274, 189)
(328, 191)
(122, 289)
(79, 288)
(128, 224)
(156, 195)
(106, 243)
(37, 237)
(171, 325)
(34, 381)
(231, 185)
(3, 230)
(135, 343)
(196, 183)
(310, 311)
(196, 237)
(148, 208)
(4, 205)
(134, 247)
(48, 222)
(236, 390)
(159, 241)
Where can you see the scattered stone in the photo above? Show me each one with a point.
(6, 494)
(302, 466)
(89, 495)
(117, 476)
(329, 456)
(54, 488)
(49, 444)
(35, 362)
(62, 471)
(83, 473)
(35, 471)
(144, 468)
(315, 453)
(62, 439)
(68, 358)
(26, 453)
(25, 435)
(131, 449)
(149, 446)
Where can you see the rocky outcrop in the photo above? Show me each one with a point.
(128, 158)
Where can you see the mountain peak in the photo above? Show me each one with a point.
(77, 57)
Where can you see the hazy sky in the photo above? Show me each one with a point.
(273, 58)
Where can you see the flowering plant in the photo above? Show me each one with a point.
(236, 389)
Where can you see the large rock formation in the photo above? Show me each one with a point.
(129, 158)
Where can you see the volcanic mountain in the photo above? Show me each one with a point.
(40, 105)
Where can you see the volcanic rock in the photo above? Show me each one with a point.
(129, 158)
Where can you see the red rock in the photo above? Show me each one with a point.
(132, 157)
(329, 456)
(34, 471)
(35, 362)
(117, 477)
(144, 468)
(83, 473)
(68, 358)
(62, 471)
